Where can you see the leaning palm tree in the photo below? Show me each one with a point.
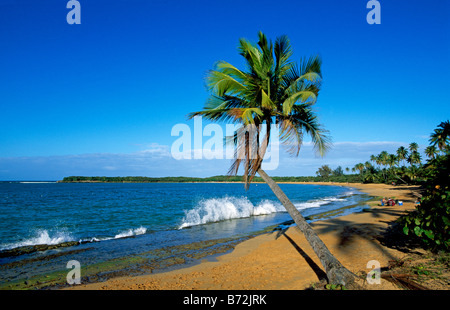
(272, 91)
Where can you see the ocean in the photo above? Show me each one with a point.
(116, 229)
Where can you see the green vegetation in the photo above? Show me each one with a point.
(326, 174)
(429, 223)
(406, 166)
(335, 287)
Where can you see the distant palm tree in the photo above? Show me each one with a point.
(392, 160)
(359, 167)
(272, 90)
(441, 136)
(431, 151)
(414, 158)
(373, 158)
(383, 159)
(402, 153)
(413, 147)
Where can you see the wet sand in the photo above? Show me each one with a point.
(283, 260)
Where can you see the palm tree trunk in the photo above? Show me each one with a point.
(336, 272)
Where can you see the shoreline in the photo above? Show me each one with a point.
(284, 259)
(26, 249)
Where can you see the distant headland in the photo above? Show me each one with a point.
(220, 178)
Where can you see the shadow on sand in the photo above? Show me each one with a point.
(377, 234)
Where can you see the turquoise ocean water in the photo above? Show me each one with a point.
(114, 220)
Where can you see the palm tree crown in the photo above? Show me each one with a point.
(402, 153)
(272, 90)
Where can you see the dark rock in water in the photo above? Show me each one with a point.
(35, 248)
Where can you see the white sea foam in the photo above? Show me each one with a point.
(317, 203)
(124, 234)
(227, 208)
(131, 232)
(42, 236)
(350, 193)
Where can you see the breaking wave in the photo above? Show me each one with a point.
(44, 237)
(131, 232)
(226, 208)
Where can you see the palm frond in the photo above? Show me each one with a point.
(252, 56)
(291, 136)
(227, 68)
(267, 61)
(283, 53)
(304, 96)
(307, 119)
(308, 70)
(220, 83)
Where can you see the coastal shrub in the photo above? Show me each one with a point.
(430, 222)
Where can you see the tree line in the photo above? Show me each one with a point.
(141, 179)
(405, 166)
(218, 178)
(429, 222)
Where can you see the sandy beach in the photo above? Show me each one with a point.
(283, 260)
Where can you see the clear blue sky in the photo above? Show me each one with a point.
(101, 98)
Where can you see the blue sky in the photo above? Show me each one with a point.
(101, 98)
